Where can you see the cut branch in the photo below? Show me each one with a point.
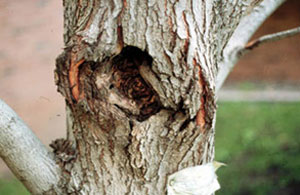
(270, 38)
(25, 155)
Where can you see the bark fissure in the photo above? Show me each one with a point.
(139, 79)
(146, 88)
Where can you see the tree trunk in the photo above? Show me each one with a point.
(138, 78)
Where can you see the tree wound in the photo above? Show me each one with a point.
(127, 79)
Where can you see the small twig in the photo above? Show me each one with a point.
(272, 37)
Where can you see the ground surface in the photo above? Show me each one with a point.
(261, 150)
(31, 38)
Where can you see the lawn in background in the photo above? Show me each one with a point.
(260, 142)
(12, 187)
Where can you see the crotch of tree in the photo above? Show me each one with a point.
(130, 84)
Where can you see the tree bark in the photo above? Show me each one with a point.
(139, 79)
(25, 155)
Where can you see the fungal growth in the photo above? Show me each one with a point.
(127, 79)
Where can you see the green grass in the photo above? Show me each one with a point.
(260, 142)
(12, 187)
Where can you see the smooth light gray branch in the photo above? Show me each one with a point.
(24, 154)
(244, 31)
(270, 38)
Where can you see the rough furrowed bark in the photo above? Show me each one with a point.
(139, 79)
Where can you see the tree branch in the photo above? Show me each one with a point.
(244, 31)
(25, 155)
(270, 38)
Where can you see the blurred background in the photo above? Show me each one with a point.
(258, 120)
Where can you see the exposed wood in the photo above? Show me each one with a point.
(139, 79)
(143, 113)
(143, 104)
